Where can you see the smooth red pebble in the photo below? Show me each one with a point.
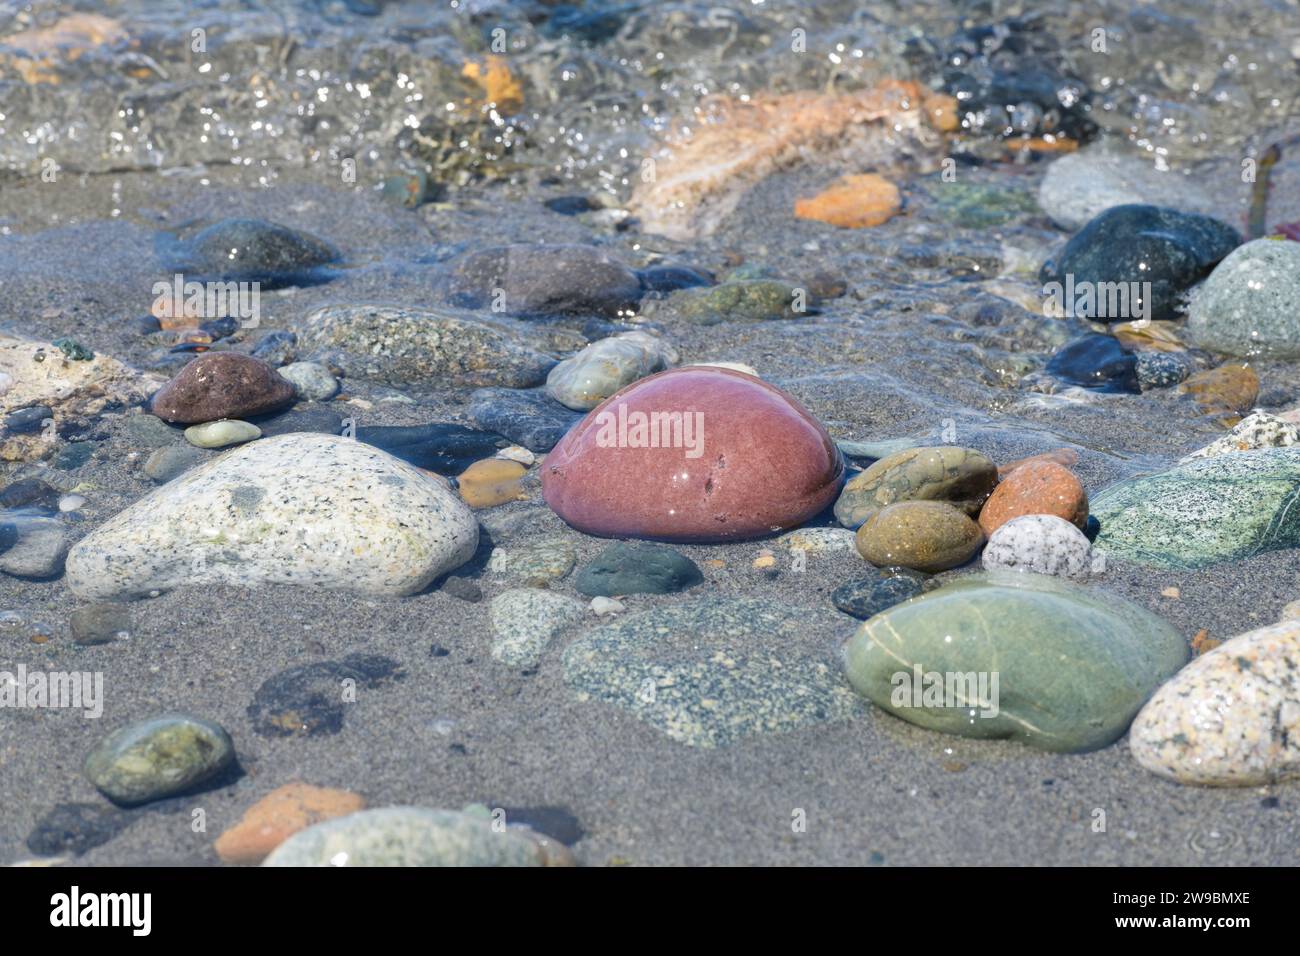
(764, 464)
(1036, 488)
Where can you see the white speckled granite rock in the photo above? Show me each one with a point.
(1044, 544)
(1256, 430)
(820, 541)
(525, 620)
(585, 380)
(410, 836)
(1248, 304)
(312, 380)
(301, 508)
(1230, 718)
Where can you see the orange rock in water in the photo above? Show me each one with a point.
(1065, 457)
(853, 202)
(494, 77)
(1037, 488)
(1225, 393)
(943, 112)
(492, 482)
(46, 49)
(279, 815)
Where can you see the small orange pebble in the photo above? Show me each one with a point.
(1171, 592)
(765, 559)
(279, 815)
(716, 563)
(492, 482)
(852, 202)
(494, 77)
(1202, 642)
(942, 112)
(172, 314)
(1066, 457)
(1043, 144)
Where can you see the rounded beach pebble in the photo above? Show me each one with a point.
(1042, 543)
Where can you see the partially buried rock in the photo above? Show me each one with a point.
(1095, 361)
(585, 380)
(1044, 544)
(1205, 512)
(38, 548)
(1038, 488)
(443, 447)
(1248, 305)
(693, 454)
(527, 280)
(399, 346)
(295, 509)
(1080, 186)
(412, 836)
(221, 434)
(705, 672)
(247, 250)
(308, 700)
(532, 418)
(221, 385)
(1230, 718)
(159, 757)
(960, 476)
(525, 620)
(749, 300)
(871, 595)
(629, 568)
(166, 463)
(984, 657)
(1135, 245)
(100, 623)
(923, 535)
(279, 815)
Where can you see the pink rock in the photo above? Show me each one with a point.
(693, 454)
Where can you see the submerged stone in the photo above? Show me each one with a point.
(159, 757)
(1095, 361)
(1250, 304)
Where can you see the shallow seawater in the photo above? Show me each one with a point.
(146, 117)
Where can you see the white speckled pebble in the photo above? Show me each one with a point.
(1044, 544)
(301, 508)
(1230, 718)
(820, 541)
(222, 433)
(525, 620)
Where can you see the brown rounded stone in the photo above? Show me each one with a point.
(922, 535)
(1036, 488)
(693, 454)
(222, 385)
(279, 815)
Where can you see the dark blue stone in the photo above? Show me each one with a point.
(442, 447)
(1095, 361)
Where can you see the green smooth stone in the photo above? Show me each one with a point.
(159, 757)
(222, 433)
(747, 300)
(625, 568)
(962, 477)
(1074, 666)
(1206, 512)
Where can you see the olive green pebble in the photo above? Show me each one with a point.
(222, 433)
(960, 476)
(922, 535)
(159, 757)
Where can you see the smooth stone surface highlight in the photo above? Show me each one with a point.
(221, 385)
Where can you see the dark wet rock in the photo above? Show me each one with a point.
(1162, 369)
(1012, 79)
(1096, 361)
(541, 280)
(527, 417)
(166, 463)
(570, 205)
(632, 568)
(558, 823)
(220, 328)
(590, 24)
(827, 285)
(303, 418)
(871, 595)
(463, 589)
(77, 827)
(27, 421)
(246, 250)
(1137, 244)
(160, 757)
(99, 623)
(39, 547)
(311, 699)
(748, 300)
(403, 347)
(73, 455)
(29, 493)
(440, 446)
(150, 431)
(665, 279)
(221, 385)
(277, 348)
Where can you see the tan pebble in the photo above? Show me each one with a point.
(1171, 592)
(492, 482)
